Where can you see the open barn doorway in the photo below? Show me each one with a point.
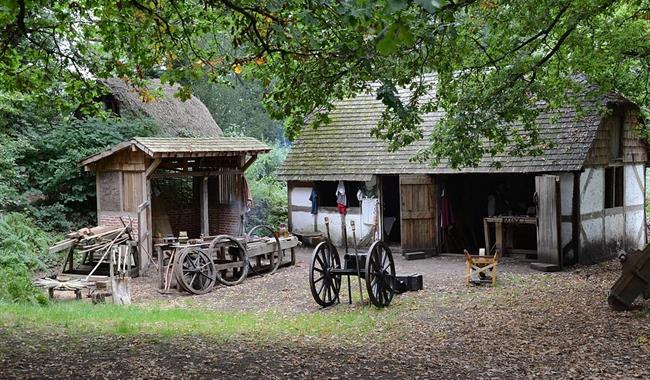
(467, 199)
(390, 199)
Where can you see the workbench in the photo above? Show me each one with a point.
(503, 232)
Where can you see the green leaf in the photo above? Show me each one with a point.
(429, 5)
(387, 43)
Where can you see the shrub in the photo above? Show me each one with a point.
(23, 248)
(40, 174)
(269, 194)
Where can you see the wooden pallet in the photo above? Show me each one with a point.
(634, 281)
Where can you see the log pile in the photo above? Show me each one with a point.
(109, 249)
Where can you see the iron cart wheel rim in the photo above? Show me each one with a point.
(380, 274)
(274, 262)
(195, 271)
(324, 285)
(238, 259)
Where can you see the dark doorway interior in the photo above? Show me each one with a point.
(469, 196)
(391, 207)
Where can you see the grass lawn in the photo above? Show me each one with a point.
(82, 317)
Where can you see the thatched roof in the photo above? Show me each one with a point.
(344, 149)
(175, 117)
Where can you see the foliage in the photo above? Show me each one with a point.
(237, 107)
(269, 194)
(22, 251)
(40, 174)
(497, 63)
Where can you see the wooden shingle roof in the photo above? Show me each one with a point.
(345, 150)
(161, 147)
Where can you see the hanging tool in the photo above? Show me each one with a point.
(356, 256)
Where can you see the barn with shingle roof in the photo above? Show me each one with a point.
(580, 200)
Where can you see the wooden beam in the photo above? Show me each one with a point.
(249, 162)
(205, 220)
(152, 167)
(187, 174)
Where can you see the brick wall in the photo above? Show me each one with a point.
(113, 220)
(224, 219)
(185, 219)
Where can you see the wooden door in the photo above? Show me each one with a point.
(547, 189)
(418, 213)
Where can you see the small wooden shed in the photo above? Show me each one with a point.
(205, 192)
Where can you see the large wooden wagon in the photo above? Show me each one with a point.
(198, 265)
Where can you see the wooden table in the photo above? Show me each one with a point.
(499, 223)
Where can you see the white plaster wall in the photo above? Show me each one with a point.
(303, 221)
(635, 230)
(566, 231)
(633, 192)
(592, 197)
(566, 193)
(592, 233)
(614, 230)
(634, 200)
(300, 196)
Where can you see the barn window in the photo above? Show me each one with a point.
(616, 134)
(614, 187)
(327, 192)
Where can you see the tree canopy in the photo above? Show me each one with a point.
(496, 63)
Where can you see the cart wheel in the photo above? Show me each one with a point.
(195, 271)
(324, 284)
(230, 258)
(380, 274)
(275, 257)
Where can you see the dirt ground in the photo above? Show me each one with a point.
(532, 325)
(288, 288)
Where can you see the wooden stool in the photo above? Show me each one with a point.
(481, 266)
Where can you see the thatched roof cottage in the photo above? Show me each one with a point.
(190, 118)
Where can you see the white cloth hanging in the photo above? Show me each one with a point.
(341, 198)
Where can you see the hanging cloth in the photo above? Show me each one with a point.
(341, 198)
(248, 196)
(446, 215)
(314, 201)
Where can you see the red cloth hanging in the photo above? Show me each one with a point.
(342, 208)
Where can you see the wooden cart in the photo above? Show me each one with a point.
(198, 266)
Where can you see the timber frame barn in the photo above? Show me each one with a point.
(167, 185)
(581, 200)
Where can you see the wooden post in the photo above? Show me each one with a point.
(205, 221)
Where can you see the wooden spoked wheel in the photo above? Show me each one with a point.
(380, 274)
(230, 258)
(195, 271)
(273, 259)
(324, 284)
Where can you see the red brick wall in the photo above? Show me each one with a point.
(113, 220)
(186, 219)
(224, 219)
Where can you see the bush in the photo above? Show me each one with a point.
(40, 174)
(23, 248)
(269, 194)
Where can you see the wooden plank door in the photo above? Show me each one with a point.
(547, 189)
(418, 213)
